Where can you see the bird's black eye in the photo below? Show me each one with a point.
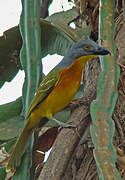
(86, 47)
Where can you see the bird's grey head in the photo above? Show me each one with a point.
(82, 48)
(86, 48)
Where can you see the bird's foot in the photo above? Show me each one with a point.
(64, 125)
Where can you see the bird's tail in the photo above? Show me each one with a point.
(19, 148)
(21, 144)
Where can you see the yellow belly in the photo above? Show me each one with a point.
(60, 96)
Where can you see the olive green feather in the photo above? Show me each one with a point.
(44, 89)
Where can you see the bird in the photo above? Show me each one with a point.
(54, 93)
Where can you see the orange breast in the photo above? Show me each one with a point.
(63, 92)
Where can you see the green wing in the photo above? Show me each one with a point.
(44, 89)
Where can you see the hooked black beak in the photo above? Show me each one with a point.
(102, 51)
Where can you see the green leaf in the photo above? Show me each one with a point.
(58, 36)
(62, 20)
(53, 39)
(10, 44)
(30, 59)
(10, 119)
(10, 110)
(2, 174)
(102, 128)
(11, 127)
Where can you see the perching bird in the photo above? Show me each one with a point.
(55, 92)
